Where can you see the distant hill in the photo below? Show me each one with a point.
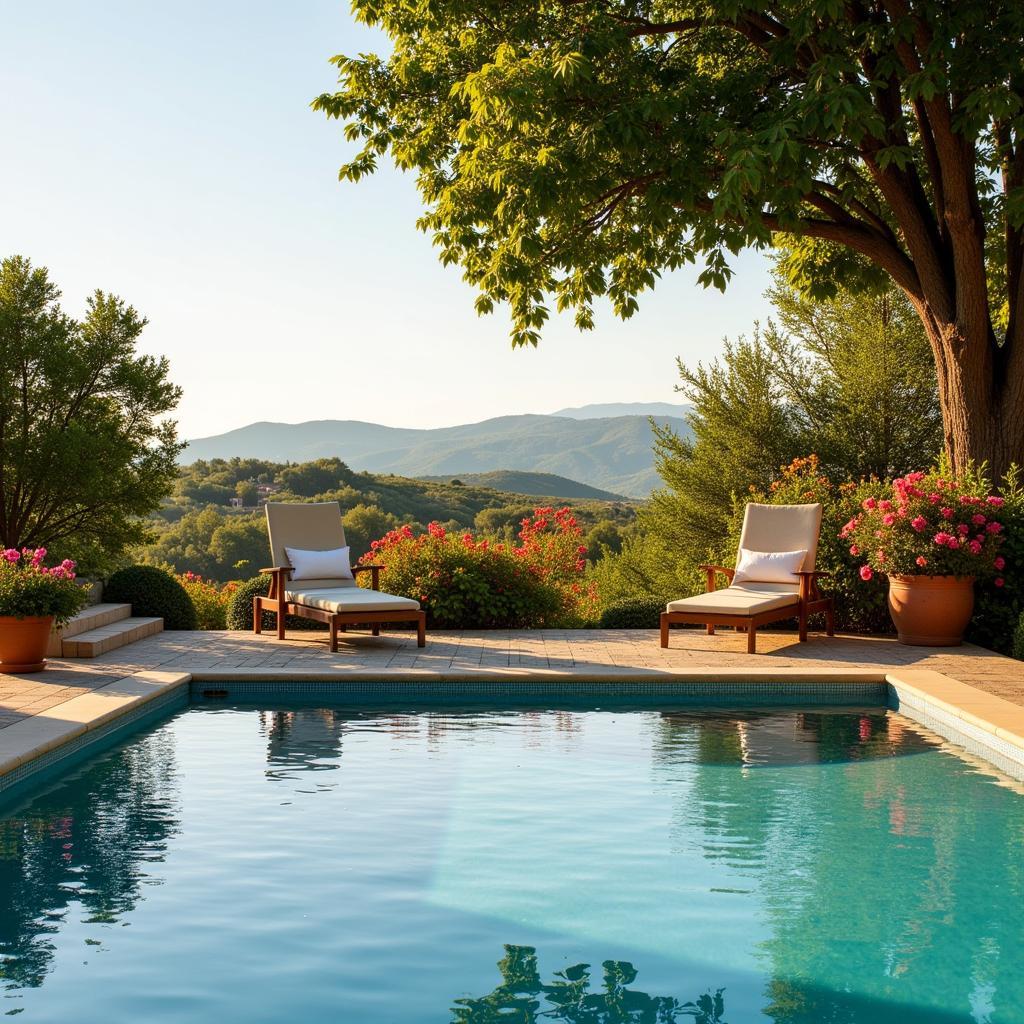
(607, 409)
(547, 485)
(611, 453)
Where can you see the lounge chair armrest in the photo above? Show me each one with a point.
(374, 571)
(712, 569)
(809, 583)
(278, 577)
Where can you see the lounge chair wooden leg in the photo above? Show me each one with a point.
(334, 634)
(280, 620)
(830, 619)
(375, 631)
(664, 629)
(257, 614)
(752, 640)
(803, 624)
(421, 630)
(710, 629)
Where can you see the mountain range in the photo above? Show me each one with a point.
(611, 453)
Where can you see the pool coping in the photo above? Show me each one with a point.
(983, 724)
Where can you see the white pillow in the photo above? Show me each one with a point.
(768, 566)
(320, 565)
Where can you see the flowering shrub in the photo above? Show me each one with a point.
(28, 588)
(466, 582)
(210, 600)
(998, 610)
(929, 525)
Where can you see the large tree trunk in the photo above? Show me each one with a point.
(981, 393)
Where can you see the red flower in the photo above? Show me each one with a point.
(865, 572)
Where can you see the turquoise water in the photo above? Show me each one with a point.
(327, 865)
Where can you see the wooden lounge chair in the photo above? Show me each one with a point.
(779, 531)
(338, 601)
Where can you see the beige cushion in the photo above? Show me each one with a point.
(782, 528)
(744, 599)
(351, 599)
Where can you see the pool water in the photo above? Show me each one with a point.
(607, 865)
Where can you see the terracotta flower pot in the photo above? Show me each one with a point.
(23, 643)
(931, 611)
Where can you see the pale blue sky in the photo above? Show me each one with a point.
(167, 152)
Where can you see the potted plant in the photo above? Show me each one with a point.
(33, 598)
(933, 537)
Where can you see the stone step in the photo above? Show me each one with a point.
(110, 637)
(93, 617)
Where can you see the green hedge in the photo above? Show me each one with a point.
(1018, 640)
(240, 609)
(635, 613)
(152, 592)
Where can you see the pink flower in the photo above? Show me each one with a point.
(921, 561)
(942, 538)
(974, 547)
(978, 519)
(888, 519)
(963, 529)
(12, 555)
(885, 505)
(865, 572)
(999, 562)
(869, 503)
(994, 501)
(919, 523)
(880, 555)
(952, 544)
(855, 551)
(994, 527)
(947, 513)
(998, 581)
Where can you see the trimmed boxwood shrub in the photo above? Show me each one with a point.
(635, 613)
(152, 592)
(240, 609)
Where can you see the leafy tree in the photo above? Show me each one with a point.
(246, 492)
(366, 523)
(578, 150)
(86, 449)
(309, 479)
(602, 539)
(856, 370)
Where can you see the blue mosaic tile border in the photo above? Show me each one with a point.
(1006, 756)
(557, 693)
(30, 775)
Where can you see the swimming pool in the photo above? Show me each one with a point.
(360, 864)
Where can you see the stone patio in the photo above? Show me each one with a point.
(499, 654)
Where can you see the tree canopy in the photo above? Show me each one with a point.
(86, 449)
(572, 150)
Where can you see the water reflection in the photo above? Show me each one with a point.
(522, 998)
(83, 849)
(884, 887)
(780, 739)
